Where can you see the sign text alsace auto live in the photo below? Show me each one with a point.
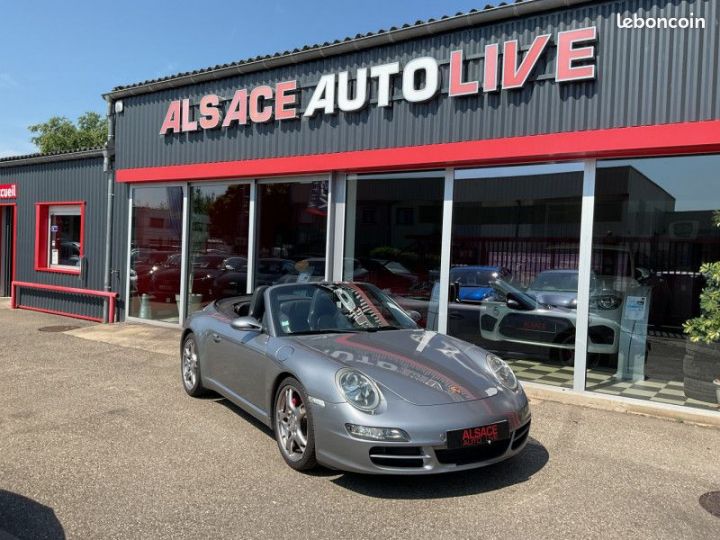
(574, 62)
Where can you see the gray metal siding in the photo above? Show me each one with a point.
(76, 180)
(644, 77)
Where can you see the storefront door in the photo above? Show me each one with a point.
(514, 265)
(291, 231)
(7, 241)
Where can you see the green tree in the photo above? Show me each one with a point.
(61, 135)
(706, 327)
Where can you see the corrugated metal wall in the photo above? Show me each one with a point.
(644, 77)
(74, 180)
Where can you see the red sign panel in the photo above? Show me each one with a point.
(8, 191)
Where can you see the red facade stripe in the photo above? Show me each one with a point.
(666, 139)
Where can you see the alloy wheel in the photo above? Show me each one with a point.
(189, 366)
(291, 423)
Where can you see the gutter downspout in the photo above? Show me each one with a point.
(108, 156)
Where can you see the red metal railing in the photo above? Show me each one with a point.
(110, 297)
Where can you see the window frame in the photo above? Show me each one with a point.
(43, 213)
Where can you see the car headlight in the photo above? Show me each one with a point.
(359, 390)
(607, 301)
(503, 373)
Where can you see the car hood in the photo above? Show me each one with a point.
(559, 299)
(421, 367)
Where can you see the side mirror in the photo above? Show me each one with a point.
(513, 302)
(414, 315)
(246, 324)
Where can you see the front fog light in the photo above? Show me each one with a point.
(377, 433)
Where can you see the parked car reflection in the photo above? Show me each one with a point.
(559, 288)
(511, 320)
(473, 282)
(232, 279)
(145, 262)
(205, 268)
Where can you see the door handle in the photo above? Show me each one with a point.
(455, 316)
(216, 337)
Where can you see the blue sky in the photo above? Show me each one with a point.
(57, 58)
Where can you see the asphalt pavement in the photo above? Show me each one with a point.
(99, 440)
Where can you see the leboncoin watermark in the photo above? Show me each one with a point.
(661, 23)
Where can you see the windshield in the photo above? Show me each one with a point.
(342, 307)
(555, 281)
(473, 277)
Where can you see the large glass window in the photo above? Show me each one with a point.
(655, 226)
(59, 237)
(514, 267)
(393, 234)
(155, 253)
(65, 236)
(291, 231)
(219, 220)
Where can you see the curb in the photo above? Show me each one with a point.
(622, 405)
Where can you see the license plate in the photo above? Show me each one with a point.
(476, 436)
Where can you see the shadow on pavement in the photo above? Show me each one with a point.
(245, 416)
(23, 518)
(513, 471)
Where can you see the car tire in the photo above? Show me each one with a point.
(700, 390)
(293, 425)
(567, 356)
(190, 367)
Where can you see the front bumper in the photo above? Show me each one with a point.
(426, 452)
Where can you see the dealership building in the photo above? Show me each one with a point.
(541, 178)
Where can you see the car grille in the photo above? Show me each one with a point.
(602, 335)
(537, 328)
(478, 454)
(487, 323)
(475, 454)
(397, 457)
(521, 435)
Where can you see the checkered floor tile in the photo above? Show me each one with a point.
(604, 382)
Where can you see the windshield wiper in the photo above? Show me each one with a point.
(311, 332)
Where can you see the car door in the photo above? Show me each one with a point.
(464, 321)
(239, 364)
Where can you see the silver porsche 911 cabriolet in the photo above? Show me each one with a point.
(346, 379)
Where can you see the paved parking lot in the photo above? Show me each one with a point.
(100, 441)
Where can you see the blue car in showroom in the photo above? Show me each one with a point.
(346, 379)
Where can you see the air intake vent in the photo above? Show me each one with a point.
(397, 457)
